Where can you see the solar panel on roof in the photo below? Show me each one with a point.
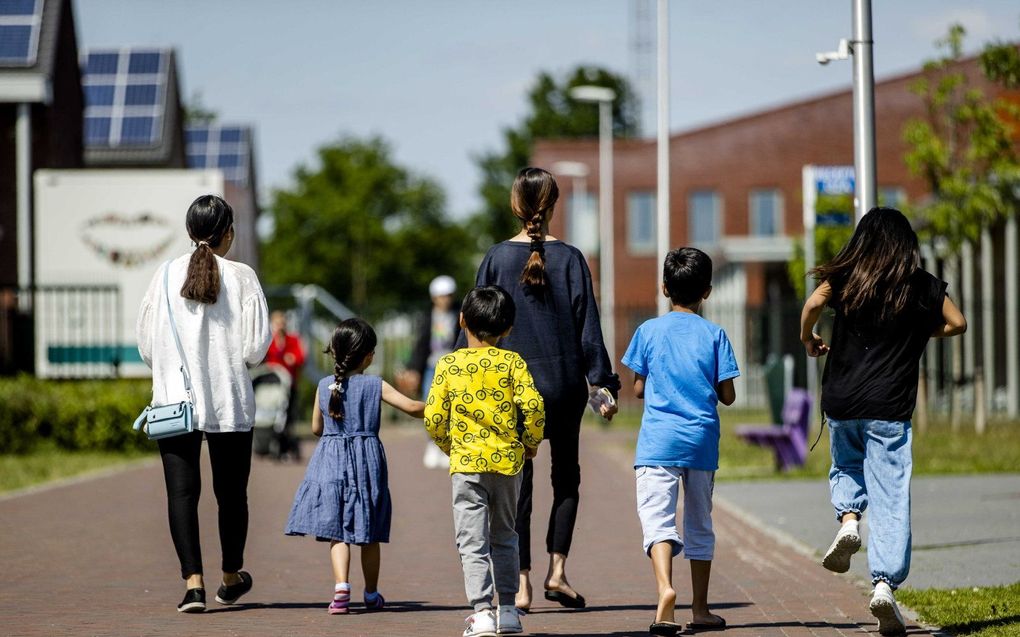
(99, 94)
(225, 147)
(101, 63)
(129, 89)
(17, 7)
(97, 130)
(20, 22)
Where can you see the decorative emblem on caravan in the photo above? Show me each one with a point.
(127, 241)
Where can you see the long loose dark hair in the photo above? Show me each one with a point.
(532, 199)
(352, 341)
(871, 274)
(209, 220)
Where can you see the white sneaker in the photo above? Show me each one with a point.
(883, 606)
(435, 458)
(847, 542)
(481, 624)
(509, 621)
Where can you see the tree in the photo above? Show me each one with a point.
(365, 229)
(196, 113)
(965, 146)
(553, 114)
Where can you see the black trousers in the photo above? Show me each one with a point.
(230, 457)
(562, 430)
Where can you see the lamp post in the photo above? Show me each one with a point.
(662, 145)
(865, 192)
(604, 97)
(578, 173)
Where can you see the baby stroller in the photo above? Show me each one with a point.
(272, 435)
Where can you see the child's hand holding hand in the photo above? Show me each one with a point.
(530, 452)
(815, 346)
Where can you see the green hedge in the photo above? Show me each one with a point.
(77, 415)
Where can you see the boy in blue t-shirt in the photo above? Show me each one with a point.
(683, 367)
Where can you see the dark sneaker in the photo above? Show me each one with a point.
(193, 602)
(230, 594)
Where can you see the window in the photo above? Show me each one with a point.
(703, 208)
(641, 222)
(766, 212)
(892, 196)
(583, 222)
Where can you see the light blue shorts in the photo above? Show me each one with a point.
(658, 490)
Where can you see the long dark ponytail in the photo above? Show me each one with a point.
(209, 220)
(532, 198)
(872, 272)
(352, 341)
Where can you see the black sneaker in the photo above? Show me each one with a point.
(230, 594)
(193, 602)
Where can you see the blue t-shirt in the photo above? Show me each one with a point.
(682, 357)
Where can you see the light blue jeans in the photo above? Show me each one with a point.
(871, 464)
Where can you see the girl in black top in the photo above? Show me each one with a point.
(558, 334)
(886, 308)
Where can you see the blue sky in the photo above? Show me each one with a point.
(439, 79)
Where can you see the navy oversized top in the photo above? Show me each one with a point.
(557, 330)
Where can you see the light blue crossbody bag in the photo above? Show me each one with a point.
(165, 421)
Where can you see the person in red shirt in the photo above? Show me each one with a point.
(287, 351)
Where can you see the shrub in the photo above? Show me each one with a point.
(77, 415)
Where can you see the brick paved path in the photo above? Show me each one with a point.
(95, 558)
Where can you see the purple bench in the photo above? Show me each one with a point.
(788, 440)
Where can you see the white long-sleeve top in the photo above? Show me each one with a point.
(221, 341)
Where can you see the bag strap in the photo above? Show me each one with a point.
(173, 328)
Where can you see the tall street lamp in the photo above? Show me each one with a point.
(604, 97)
(865, 192)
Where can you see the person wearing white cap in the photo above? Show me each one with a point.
(436, 337)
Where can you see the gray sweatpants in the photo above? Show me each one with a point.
(484, 508)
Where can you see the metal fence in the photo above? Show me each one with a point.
(62, 331)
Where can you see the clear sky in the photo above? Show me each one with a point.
(439, 79)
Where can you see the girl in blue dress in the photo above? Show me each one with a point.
(345, 498)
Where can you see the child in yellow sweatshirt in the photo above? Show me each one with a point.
(471, 414)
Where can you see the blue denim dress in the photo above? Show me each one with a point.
(345, 495)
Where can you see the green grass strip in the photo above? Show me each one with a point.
(992, 611)
(47, 462)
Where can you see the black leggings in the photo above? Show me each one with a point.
(230, 457)
(562, 430)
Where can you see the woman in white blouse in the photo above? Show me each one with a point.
(222, 319)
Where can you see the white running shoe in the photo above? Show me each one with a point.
(509, 621)
(481, 624)
(435, 458)
(883, 606)
(847, 542)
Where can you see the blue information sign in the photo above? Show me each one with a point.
(834, 180)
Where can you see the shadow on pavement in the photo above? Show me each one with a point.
(391, 607)
(615, 607)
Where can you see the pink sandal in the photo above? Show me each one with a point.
(341, 602)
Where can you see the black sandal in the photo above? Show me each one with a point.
(565, 600)
(700, 626)
(665, 628)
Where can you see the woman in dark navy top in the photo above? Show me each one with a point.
(558, 334)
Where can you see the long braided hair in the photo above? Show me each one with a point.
(532, 198)
(352, 341)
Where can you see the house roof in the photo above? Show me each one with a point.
(29, 33)
(132, 106)
(229, 147)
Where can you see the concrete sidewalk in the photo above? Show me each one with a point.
(95, 558)
(966, 528)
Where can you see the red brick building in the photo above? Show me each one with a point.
(736, 192)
